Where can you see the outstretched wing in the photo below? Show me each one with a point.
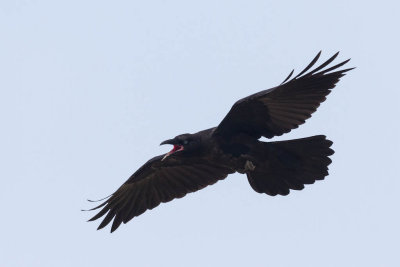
(278, 110)
(155, 182)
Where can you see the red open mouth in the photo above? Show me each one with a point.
(175, 149)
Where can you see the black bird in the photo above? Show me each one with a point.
(201, 159)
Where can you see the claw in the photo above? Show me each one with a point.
(249, 166)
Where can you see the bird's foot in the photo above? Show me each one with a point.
(249, 166)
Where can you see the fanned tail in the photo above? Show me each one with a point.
(291, 165)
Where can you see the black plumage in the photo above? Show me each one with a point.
(201, 159)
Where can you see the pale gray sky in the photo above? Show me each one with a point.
(90, 88)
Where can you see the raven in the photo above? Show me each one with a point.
(201, 159)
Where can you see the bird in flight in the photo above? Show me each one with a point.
(201, 159)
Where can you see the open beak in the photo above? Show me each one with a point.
(176, 147)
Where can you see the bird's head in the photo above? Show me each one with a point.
(182, 143)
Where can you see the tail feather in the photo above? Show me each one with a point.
(291, 164)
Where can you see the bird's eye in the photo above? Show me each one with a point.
(185, 142)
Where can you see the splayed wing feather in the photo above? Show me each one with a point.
(323, 65)
(153, 184)
(309, 65)
(278, 110)
(288, 77)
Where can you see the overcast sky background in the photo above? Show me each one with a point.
(90, 88)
